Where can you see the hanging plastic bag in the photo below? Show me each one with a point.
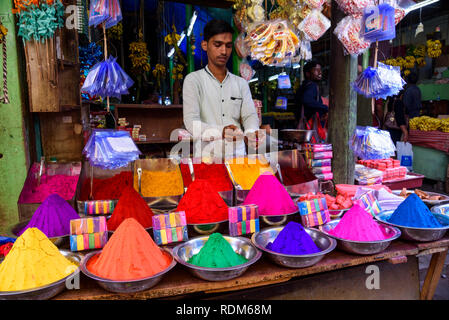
(284, 81)
(354, 7)
(241, 46)
(348, 32)
(405, 154)
(314, 25)
(378, 23)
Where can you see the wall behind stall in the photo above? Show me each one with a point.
(13, 144)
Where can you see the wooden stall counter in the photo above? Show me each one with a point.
(179, 283)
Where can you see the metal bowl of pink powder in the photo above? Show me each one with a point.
(324, 243)
(362, 247)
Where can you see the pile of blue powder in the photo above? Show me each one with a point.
(413, 212)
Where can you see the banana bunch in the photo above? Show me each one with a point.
(425, 123)
(139, 56)
(421, 61)
(420, 51)
(172, 38)
(434, 48)
(159, 71)
(3, 32)
(444, 125)
(116, 31)
(409, 62)
(177, 72)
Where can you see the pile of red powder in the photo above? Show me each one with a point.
(107, 189)
(202, 204)
(216, 174)
(131, 205)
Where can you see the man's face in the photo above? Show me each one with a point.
(218, 48)
(315, 73)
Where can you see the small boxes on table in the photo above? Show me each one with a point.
(88, 233)
(314, 212)
(170, 227)
(99, 207)
(243, 219)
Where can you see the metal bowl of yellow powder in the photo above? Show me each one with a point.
(242, 246)
(48, 291)
(57, 241)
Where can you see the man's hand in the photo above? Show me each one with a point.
(255, 139)
(232, 133)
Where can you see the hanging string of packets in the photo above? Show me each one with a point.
(110, 149)
(371, 143)
(41, 22)
(104, 11)
(379, 83)
(107, 79)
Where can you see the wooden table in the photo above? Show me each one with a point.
(179, 283)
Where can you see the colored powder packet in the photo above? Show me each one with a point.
(130, 254)
(131, 205)
(294, 240)
(270, 196)
(52, 217)
(217, 253)
(358, 225)
(413, 212)
(202, 204)
(33, 261)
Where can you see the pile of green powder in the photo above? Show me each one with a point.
(217, 253)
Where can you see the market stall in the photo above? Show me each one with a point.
(123, 218)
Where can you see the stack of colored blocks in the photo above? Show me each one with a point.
(314, 212)
(88, 233)
(369, 202)
(318, 158)
(99, 206)
(243, 219)
(391, 168)
(170, 227)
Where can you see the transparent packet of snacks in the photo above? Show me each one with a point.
(314, 25)
(348, 32)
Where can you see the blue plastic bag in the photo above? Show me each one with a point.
(378, 23)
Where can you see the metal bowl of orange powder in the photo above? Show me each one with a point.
(125, 286)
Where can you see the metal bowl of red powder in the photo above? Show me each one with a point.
(184, 251)
(60, 241)
(362, 247)
(126, 286)
(50, 290)
(418, 234)
(324, 243)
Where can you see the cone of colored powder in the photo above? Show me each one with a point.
(52, 217)
(293, 239)
(271, 197)
(131, 205)
(358, 225)
(33, 261)
(130, 254)
(217, 253)
(202, 204)
(413, 212)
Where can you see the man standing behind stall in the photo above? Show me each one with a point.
(218, 107)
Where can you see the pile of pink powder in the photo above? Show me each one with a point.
(62, 185)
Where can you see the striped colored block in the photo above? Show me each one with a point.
(315, 218)
(311, 206)
(369, 202)
(170, 235)
(169, 220)
(243, 220)
(99, 207)
(88, 225)
(80, 242)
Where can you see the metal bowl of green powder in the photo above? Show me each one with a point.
(415, 233)
(324, 243)
(216, 257)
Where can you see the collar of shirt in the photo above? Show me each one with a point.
(213, 77)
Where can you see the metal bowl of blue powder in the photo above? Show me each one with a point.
(416, 221)
(293, 246)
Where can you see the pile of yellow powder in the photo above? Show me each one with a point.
(33, 261)
(246, 171)
(160, 183)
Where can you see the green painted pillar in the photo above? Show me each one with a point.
(13, 153)
(190, 57)
(236, 60)
(170, 74)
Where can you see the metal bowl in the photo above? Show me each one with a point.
(296, 135)
(60, 241)
(184, 251)
(47, 291)
(126, 286)
(418, 234)
(442, 209)
(337, 214)
(445, 198)
(362, 247)
(326, 244)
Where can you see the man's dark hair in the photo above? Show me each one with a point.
(412, 78)
(215, 27)
(310, 65)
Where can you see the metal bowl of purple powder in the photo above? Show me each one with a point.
(263, 238)
(60, 241)
(415, 233)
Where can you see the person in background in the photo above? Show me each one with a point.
(399, 132)
(412, 96)
(216, 102)
(308, 95)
